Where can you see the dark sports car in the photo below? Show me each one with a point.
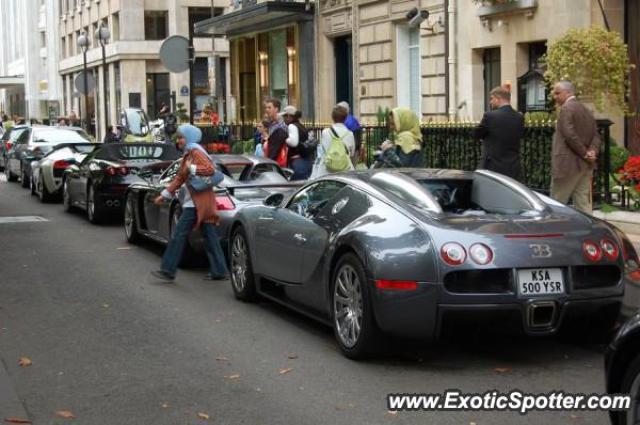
(99, 182)
(622, 366)
(247, 181)
(411, 252)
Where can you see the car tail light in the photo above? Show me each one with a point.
(61, 164)
(609, 249)
(112, 171)
(224, 203)
(592, 251)
(397, 285)
(480, 254)
(453, 253)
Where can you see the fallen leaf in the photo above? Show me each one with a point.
(105, 306)
(503, 370)
(123, 247)
(292, 356)
(285, 370)
(472, 423)
(13, 420)
(218, 320)
(574, 417)
(65, 414)
(25, 362)
(165, 405)
(202, 415)
(222, 359)
(236, 376)
(392, 412)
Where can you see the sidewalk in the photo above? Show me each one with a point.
(10, 405)
(628, 222)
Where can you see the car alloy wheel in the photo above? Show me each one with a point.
(130, 226)
(32, 187)
(242, 279)
(23, 178)
(347, 306)
(92, 211)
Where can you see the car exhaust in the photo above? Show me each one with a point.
(109, 203)
(116, 203)
(541, 314)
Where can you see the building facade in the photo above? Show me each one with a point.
(29, 84)
(134, 73)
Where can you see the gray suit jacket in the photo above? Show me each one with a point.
(576, 133)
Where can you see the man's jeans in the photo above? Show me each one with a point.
(301, 169)
(173, 253)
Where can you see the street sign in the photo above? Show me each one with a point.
(184, 91)
(79, 82)
(174, 53)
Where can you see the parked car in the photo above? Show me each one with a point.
(622, 367)
(410, 252)
(9, 137)
(99, 182)
(35, 142)
(47, 174)
(247, 181)
(135, 126)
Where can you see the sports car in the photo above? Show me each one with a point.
(415, 252)
(98, 183)
(247, 181)
(47, 173)
(622, 367)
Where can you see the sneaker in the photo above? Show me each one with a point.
(162, 275)
(209, 276)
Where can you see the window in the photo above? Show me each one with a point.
(63, 47)
(492, 78)
(408, 67)
(155, 24)
(43, 39)
(310, 200)
(118, 87)
(115, 27)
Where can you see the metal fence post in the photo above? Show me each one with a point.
(604, 130)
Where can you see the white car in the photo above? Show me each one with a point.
(47, 174)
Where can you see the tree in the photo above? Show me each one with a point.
(596, 62)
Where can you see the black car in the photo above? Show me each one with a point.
(99, 182)
(9, 137)
(622, 365)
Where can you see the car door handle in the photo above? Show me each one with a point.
(265, 217)
(299, 237)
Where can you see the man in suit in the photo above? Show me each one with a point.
(501, 131)
(575, 146)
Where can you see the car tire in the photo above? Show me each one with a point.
(32, 187)
(130, 221)
(44, 194)
(67, 205)
(24, 180)
(93, 212)
(242, 277)
(630, 385)
(189, 257)
(351, 309)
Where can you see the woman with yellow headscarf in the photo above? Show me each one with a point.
(406, 127)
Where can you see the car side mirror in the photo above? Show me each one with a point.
(274, 200)
(288, 172)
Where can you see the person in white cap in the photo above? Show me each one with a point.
(298, 156)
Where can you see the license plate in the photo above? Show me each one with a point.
(534, 282)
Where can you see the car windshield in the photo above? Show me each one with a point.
(59, 135)
(137, 122)
(138, 151)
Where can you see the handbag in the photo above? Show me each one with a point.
(283, 156)
(202, 183)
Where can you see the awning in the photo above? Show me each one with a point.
(8, 82)
(253, 18)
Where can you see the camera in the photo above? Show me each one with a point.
(416, 17)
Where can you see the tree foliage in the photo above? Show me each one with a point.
(596, 62)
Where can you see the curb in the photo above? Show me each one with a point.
(10, 405)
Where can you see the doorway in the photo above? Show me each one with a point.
(158, 92)
(344, 69)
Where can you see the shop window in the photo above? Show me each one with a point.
(491, 68)
(408, 68)
(155, 24)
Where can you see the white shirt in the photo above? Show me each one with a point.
(343, 132)
(294, 136)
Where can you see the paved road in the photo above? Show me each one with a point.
(114, 347)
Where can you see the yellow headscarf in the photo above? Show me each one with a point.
(407, 129)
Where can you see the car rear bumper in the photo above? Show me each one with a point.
(421, 315)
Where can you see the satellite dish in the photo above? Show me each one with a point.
(79, 82)
(174, 53)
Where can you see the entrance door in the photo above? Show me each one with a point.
(247, 70)
(344, 69)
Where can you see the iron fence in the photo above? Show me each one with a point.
(451, 145)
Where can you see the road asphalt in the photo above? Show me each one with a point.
(111, 345)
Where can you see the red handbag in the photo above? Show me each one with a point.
(283, 155)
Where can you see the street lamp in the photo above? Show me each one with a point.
(83, 43)
(102, 35)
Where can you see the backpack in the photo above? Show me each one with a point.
(337, 156)
(307, 146)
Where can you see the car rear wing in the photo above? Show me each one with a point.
(232, 189)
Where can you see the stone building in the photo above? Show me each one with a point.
(135, 76)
